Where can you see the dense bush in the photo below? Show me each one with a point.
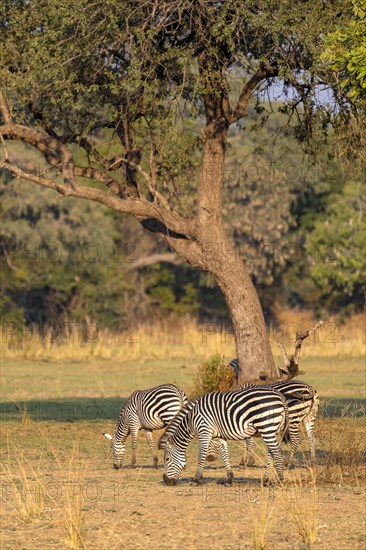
(213, 375)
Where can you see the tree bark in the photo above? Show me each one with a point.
(252, 343)
(220, 258)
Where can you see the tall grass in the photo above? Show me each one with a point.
(262, 521)
(29, 497)
(174, 338)
(342, 455)
(27, 490)
(301, 506)
(74, 514)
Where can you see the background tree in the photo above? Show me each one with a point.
(346, 53)
(337, 247)
(78, 76)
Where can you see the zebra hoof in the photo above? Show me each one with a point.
(117, 466)
(228, 481)
(196, 481)
(155, 463)
(169, 480)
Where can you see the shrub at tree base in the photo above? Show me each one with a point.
(213, 375)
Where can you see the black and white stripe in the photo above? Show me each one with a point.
(303, 402)
(304, 410)
(147, 410)
(232, 415)
(234, 364)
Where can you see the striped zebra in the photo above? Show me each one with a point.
(302, 402)
(222, 416)
(234, 364)
(147, 410)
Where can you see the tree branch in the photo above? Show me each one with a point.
(165, 222)
(4, 107)
(264, 72)
(167, 257)
(54, 151)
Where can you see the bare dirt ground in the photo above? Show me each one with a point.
(132, 508)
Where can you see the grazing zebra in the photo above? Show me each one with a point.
(230, 415)
(146, 410)
(302, 402)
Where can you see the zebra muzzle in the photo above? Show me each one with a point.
(169, 480)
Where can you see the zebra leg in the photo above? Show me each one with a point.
(134, 433)
(294, 442)
(150, 442)
(309, 427)
(247, 458)
(213, 450)
(119, 447)
(225, 457)
(204, 441)
(274, 455)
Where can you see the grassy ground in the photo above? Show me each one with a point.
(59, 488)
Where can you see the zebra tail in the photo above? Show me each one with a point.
(314, 405)
(285, 436)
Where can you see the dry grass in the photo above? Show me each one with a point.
(262, 521)
(156, 340)
(177, 338)
(31, 500)
(301, 505)
(132, 508)
(27, 487)
(73, 506)
(343, 460)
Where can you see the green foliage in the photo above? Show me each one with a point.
(339, 267)
(132, 76)
(58, 258)
(213, 375)
(80, 68)
(345, 51)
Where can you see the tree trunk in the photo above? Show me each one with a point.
(212, 251)
(252, 343)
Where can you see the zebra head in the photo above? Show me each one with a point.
(118, 450)
(174, 461)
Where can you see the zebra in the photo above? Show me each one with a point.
(147, 410)
(303, 403)
(222, 416)
(234, 364)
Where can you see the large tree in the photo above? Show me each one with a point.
(103, 89)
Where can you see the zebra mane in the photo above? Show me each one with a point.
(176, 421)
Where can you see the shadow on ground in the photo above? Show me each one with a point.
(63, 410)
(101, 409)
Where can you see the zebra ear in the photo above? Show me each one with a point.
(108, 436)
